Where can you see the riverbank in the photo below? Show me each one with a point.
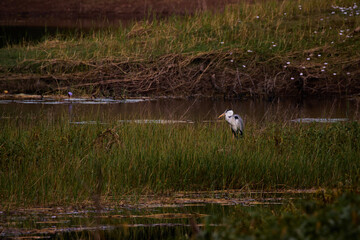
(266, 49)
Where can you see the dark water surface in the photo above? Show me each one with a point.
(189, 110)
(139, 221)
(10, 35)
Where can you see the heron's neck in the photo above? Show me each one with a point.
(227, 118)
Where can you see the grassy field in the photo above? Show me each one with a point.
(266, 48)
(53, 162)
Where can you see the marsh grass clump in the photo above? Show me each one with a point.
(262, 48)
(43, 162)
(337, 219)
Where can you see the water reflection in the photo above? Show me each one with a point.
(183, 110)
(154, 218)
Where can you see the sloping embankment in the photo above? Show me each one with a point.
(203, 74)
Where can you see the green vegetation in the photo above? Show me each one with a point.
(338, 219)
(52, 161)
(264, 48)
(267, 48)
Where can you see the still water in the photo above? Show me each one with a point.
(168, 110)
(147, 219)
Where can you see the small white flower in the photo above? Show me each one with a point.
(303, 67)
(221, 42)
(285, 13)
(292, 78)
(325, 63)
(301, 74)
(244, 66)
(249, 50)
(348, 73)
(257, 17)
(284, 66)
(315, 32)
(308, 59)
(319, 55)
(323, 67)
(287, 63)
(231, 60)
(321, 19)
(322, 70)
(333, 13)
(334, 74)
(274, 45)
(332, 42)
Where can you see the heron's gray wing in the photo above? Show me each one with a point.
(239, 122)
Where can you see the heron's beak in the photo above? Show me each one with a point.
(221, 115)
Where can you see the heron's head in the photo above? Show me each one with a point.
(227, 113)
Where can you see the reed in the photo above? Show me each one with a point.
(52, 161)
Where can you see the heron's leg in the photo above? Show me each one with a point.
(234, 134)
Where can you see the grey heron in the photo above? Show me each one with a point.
(235, 121)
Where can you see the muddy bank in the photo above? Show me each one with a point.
(206, 74)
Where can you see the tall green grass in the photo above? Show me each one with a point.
(52, 161)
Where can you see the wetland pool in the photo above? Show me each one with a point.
(167, 110)
(153, 217)
(178, 217)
